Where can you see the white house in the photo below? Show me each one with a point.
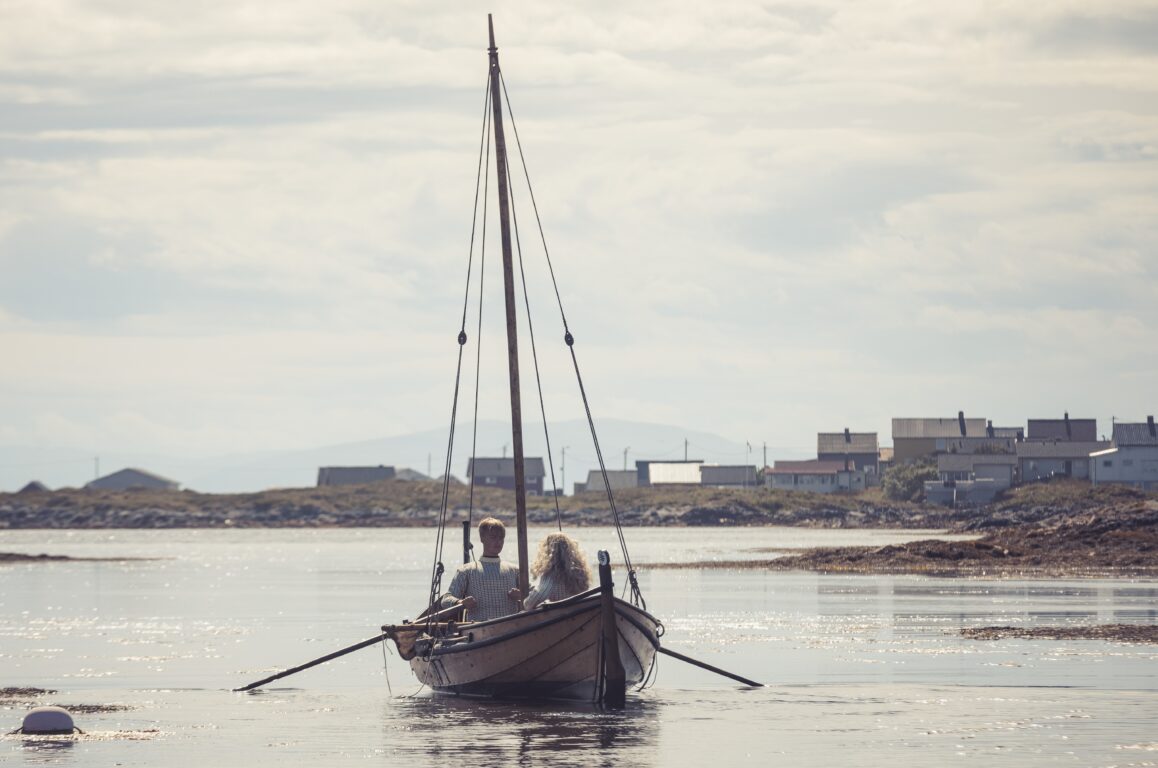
(997, 468)
(814, 476)
(1041, 460)
(1132, 459)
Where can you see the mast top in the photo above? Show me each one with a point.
(491, 29)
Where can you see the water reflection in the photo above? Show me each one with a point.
(489, 733)
(46, 749)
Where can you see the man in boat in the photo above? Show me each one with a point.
(488, 588)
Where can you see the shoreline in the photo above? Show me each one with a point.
(1063, 529)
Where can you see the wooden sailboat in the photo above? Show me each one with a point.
(591, 646)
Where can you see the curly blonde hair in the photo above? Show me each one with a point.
(561, 556)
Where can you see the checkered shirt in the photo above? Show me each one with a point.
(488, 581)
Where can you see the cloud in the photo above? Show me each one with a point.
(249, 224)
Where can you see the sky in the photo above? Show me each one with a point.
(238, 227)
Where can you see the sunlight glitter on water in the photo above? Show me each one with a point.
(858, 665)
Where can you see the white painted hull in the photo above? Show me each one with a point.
(550, 653)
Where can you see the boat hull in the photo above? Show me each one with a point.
(554, 652)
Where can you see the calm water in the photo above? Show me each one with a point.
(868, 671)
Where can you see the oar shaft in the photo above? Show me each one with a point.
(709, 667)
(314, 663)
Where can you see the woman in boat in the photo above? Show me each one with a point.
(561, 570)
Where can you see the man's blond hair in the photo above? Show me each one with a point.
(491, 526)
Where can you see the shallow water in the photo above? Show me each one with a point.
(864, 667)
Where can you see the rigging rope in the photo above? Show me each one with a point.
(636, 595)
(438, 569)
(534, 351)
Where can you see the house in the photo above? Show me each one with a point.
(1132, 458)
(685, 472)
(1065, 428)
(616, 478)
(500, 473)
(861, 450)
(132, 479)
(1040, 460)
(915, 438)
(1000, 469)
(354, 475)
(813, 475)
(720, 476)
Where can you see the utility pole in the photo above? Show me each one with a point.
(685, 449)
(625, 450)
(765, 454)
(563, 471)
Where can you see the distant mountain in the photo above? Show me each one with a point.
(422, 452)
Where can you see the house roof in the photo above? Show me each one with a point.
(925, 428)
(1080, 430)
(806, 467)
(129, 477)
(1142, 433)
(857, 442)
(1059, 449)
(532, 467)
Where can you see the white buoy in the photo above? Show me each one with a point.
(48, 720)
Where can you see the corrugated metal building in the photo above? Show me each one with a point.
(644, 476)
(616, 478)
(674, 472)
(354, 475)
(720, 476)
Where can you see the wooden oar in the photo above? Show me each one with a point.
(314, 663)
(709, 667)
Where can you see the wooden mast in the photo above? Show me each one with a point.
(512, 331)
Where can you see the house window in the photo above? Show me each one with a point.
(1127, 462)
(1107, 463)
